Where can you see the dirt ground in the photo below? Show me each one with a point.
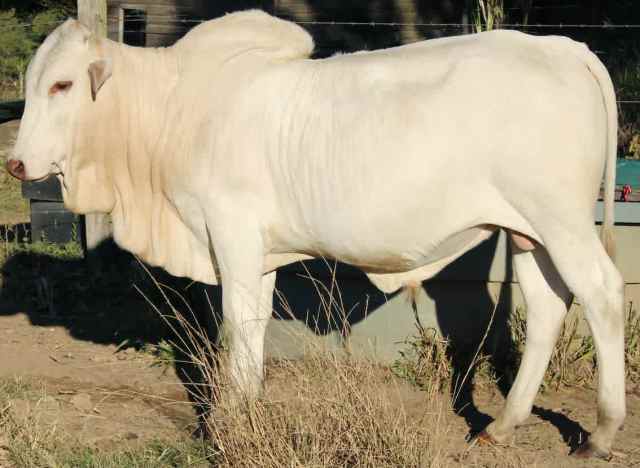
(104, 397)
(90, 389)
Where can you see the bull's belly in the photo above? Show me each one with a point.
(388, 236)
(385, 261)
(428, 252)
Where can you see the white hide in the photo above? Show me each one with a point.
(232, 153)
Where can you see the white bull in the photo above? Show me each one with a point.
(232, 153)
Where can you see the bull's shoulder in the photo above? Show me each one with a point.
(252, 30)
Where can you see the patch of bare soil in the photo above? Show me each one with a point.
(104, 398)
(89, 390)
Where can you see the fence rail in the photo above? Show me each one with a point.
(180, 19)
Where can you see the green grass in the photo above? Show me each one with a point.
(16, 387)
(13, 208)
(42, 249)
(32, 445)
(157, 453)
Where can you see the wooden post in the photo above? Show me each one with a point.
(93, 14)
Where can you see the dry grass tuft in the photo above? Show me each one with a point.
(426, 361)
(335, 412)
(632, 345)
(331, 410)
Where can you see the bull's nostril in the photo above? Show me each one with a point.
(16, 168)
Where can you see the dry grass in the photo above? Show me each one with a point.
(632, 345)
(336, 413)
(339, 411)
(574, 360)
(31, 437)
(322, 410)
(328, 410)
(426, 361)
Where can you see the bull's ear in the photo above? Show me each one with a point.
(99, 73)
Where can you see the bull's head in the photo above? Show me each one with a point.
(66, 72)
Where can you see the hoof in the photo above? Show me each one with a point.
(485, 439)
(588, 450)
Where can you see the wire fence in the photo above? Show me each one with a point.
(182, 22)
(177, 20)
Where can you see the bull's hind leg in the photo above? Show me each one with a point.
(547, 299)
(590, 274)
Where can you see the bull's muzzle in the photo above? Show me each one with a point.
(15, 167)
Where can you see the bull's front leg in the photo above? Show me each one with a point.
(247, 298)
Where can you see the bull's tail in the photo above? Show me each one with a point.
(601, 75)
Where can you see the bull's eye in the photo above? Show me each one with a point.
(60, 87)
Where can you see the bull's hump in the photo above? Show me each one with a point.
(250, 30)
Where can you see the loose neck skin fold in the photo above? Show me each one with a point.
(121, 139)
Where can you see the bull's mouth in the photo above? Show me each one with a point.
(57, 169)
(36, 179)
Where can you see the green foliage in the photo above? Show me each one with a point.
(19, 38)
(64, 7)
(26, 8)
(425, 361)
(489, 15)
(624, 66)
(16, 47)
(45, 22)
(634, 147)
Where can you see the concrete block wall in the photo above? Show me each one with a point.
(458, 303)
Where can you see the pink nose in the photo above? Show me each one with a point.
(16, 168)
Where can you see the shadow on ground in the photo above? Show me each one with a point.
(111, 299)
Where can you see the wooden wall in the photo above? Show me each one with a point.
(167, 20)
